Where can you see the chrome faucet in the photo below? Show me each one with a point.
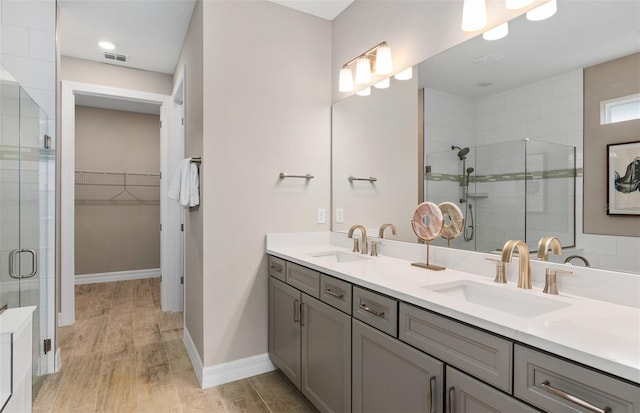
(365, 248)
(524, 271)
(548, 242)
(385, 226)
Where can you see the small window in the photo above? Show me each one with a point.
(620, 109)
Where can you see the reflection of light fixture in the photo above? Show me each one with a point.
(497, 32)
(378, 58)
(364, 92)
(474, 15)
(346, 79)
(544, 11)
(383, 84)
(406, 74)
(516, 4)
(106, 45)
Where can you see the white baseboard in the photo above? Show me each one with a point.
(236, 370)
(106, 277)
(193, 355)
(226, 372)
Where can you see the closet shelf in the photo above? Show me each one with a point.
(116, 188)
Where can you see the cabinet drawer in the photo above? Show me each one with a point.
(277, 267)
(336, 293)
(465, 394)
(480, 354)
(376, 310)
(304, 279)
(549, 383)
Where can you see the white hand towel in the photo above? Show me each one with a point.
(184, 182)
(194, 186)
(174, 189)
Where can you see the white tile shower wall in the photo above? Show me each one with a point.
(449, 120)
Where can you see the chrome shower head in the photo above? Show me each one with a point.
(470, 170)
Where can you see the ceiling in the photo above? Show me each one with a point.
(581, 34)
(149, 32)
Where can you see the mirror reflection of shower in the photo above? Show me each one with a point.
(468, 208)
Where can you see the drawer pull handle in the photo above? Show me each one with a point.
(276, 267)
(584, 404)
(296, 316)
(365, 308)
(432, 380)
(450, 399)
(331, 293)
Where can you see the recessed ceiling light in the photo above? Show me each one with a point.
(106, 45)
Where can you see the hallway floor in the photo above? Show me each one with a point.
(125, 355)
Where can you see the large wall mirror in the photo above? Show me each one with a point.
(503, 136)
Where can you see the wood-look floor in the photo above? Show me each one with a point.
(123, 354)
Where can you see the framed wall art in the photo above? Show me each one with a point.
(623, 178)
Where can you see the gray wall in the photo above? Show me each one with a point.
(609, 80)
(191, 62)
(109, 236)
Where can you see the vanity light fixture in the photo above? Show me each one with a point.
(497, 32)
(378, 58)
(346, 79)
(474, 15)
(516, 4)
(543, 12)
(363, 71)
(106, 45)
(406, 74)
(364, 92)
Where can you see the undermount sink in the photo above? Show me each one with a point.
(339, 256)
(500, 299)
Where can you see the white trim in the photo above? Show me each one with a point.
(106, 277)
(193, 354)
(236, 370)
(226, 372)
(67, 162)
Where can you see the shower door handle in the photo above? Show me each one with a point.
(12, 255)
(34, 263)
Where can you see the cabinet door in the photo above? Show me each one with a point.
(468, 395)
(390, 376)
(326, 356)
(284, 329)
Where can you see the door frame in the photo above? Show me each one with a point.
(67, 177)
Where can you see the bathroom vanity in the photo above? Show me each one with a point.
(365, 334)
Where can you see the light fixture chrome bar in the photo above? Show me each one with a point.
(285, 175)
(369, 179)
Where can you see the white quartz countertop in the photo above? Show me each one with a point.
(596, 333)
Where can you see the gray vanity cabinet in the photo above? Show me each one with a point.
(310, 342)
(390, 376)
(326, 356)
(284, 329)
(464, 394)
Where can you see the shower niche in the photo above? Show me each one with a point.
(523, 189)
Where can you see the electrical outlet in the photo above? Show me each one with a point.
(321, 216)
(339, 215)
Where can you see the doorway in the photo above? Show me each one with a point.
(74, 93)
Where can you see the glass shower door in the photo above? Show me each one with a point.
(26, 213)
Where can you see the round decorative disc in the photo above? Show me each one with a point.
(436, 221)
(454, 229)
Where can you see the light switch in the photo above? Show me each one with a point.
(321, 216)
(339, 215)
